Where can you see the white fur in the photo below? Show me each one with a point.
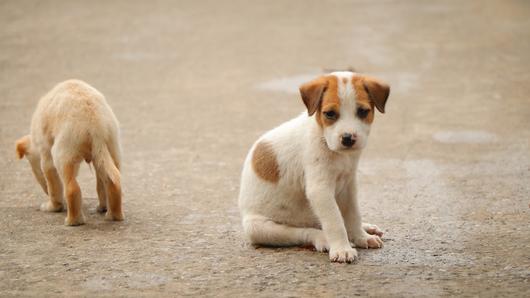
(315, 200)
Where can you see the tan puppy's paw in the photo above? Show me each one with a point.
(343, 254)
(372, 229)
(50, 207)
(114, 216)
(70, 221)
(368, 241)
(101, 209)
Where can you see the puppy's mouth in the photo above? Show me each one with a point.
(341, 148)
(348, 149)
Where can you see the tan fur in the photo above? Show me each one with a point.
(330, 101)
(72, 123)
(73, 195)
(377, 90)
(321, 95)
(363, 98)
(311, 93)
(55, 188)
(22, 146)
(264, 162)
(114, 199)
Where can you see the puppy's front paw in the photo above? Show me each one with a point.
(71, 221)
(49, 207)
(372, 229)
(368, 241)
(343, 254)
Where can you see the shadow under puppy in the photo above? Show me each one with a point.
(72, 123)
(298, 185)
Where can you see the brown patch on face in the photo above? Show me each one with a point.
(330, 102)
(363, 98)
(264, 162)
(312, 92)
(377, 90)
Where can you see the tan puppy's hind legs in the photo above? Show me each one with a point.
(102, 193)
(74, 216)
(114, 211)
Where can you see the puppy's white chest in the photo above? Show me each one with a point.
(343, 181)
(344, 172)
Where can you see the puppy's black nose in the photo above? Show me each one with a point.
(347, 140)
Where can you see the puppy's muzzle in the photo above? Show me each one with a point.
(347, 140)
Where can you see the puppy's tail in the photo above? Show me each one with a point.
(105, 163)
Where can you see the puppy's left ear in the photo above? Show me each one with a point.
(22, 146)
(312, 93)
(378, 92)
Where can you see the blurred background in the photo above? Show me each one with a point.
(446, 173)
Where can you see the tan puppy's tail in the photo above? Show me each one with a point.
(104, 163)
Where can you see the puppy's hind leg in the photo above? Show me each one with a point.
(54, 185)
(102, 192)
(114, 197)
(68, 168)
(66, 161)
(108, 172)
(263, 231)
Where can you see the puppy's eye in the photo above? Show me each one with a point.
(362, 112)
(332, 115)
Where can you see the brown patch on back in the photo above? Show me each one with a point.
(264, 162)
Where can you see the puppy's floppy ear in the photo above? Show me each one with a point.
(378, 92)
(22, 146)
(312, 93)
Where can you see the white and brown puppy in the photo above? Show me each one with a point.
(72, 123)
(298, 185)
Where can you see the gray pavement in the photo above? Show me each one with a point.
(446, 174)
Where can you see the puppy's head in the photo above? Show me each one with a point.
(25, 149)
(343, 104)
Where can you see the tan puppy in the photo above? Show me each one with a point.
(72, 123)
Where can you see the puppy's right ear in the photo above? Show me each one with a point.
(22, 146)
(312, 94)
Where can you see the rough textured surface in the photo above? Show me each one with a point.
(194, 83)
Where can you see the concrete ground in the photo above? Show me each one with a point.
(194, 83)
